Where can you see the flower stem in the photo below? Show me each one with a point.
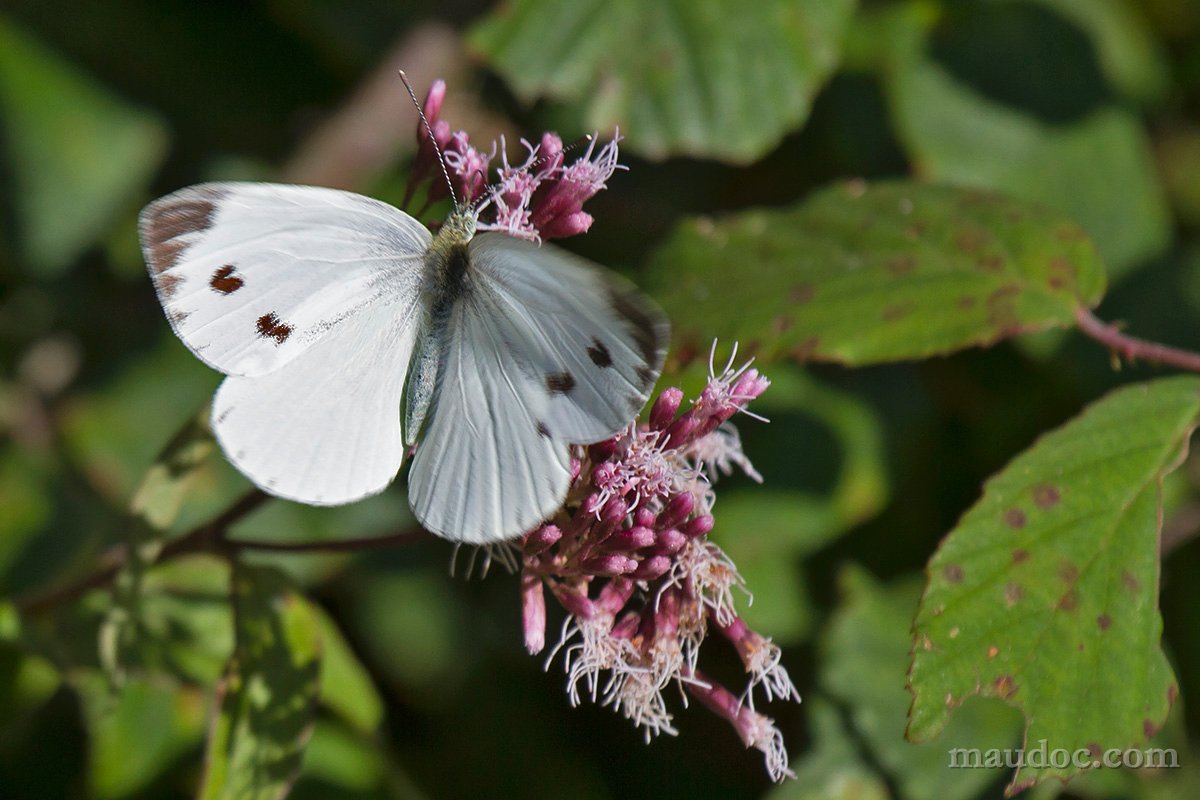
(1131, 348)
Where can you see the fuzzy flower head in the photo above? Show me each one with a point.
(539, 198)
(630, 562)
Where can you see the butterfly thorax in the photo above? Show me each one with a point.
(446, 280)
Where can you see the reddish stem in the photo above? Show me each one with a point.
(1131, 348)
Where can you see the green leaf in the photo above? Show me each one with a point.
(861, 274)
(346, 686)
(864, 652)
(78, 155)
(1125, 46)
(138, 733)
(833, 769)
(1045, 593)
(707, 79)
(267, 698)
(956, 135)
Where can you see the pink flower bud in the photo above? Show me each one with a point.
(634, 538)
(541, 538)
(665, 408)
(670, 541)
(651, 568)
(573, 600)
(681, 431)
(610, 565)
(566, 225)
(678, 509)
(533, 613)
(697, 526)
(644, 517)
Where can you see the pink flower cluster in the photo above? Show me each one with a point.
(630, 561)
(540, 198)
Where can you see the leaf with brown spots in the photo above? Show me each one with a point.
(872, 273)
(1068, 598)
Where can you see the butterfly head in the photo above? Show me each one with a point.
(458, 228)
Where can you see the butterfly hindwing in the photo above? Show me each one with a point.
(592, 342)
(324, 429)
(253, 274)
(486, 468)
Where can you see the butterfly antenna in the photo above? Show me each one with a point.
(429, 132)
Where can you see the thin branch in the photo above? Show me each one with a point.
(413, 534)
(1131, 348)
(208, 537)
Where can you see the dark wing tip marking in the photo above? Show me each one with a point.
(269, 327)
(543, 430)
(599, 354)
(224, 281)
(167, 221)
(647, 324)
(560, 382)
(167, 284)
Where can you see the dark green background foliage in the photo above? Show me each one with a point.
(901, 207)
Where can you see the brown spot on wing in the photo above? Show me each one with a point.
(224, 281)
(560, 382)
(167, 284)
(599, 354)
(270, 327)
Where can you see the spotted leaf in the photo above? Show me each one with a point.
(861, 274)
(1045, 594)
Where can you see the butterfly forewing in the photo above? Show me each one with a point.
(252, 274)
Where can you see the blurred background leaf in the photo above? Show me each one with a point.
(79, 155)
(704, 79)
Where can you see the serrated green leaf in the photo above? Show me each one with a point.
(1045, 593)
(78, 154)
(863, 656)
(957, 136)
(267, 698)
(862, 274)
(706, 79)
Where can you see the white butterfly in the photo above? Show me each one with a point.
(350, 333)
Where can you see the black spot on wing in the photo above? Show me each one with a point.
(560, 382)
(599, 354)
(543, 430)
